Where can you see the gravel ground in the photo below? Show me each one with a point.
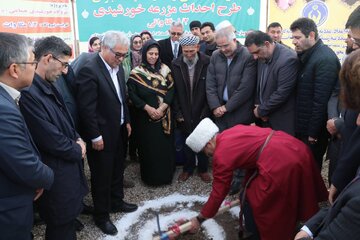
(141, 193)
(138, 194)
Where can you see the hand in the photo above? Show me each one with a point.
(330, 126)
(38, 193)
(301, 234)
(312, 140)
(83, 147)
(152, 112)
(218, 112)
(332, 194)
(128, 128)
(256, 113)
(99, 145)
(195, 225)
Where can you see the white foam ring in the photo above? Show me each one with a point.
(149, 226)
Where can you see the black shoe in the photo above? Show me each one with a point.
(107, 227)
(87, 210)
(78, 225)
(124, 207)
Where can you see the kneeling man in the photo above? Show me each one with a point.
(282, 186)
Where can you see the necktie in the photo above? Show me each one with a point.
(176, 47)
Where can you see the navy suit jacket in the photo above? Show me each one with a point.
(342, 220)
(166, 52)
(98, 103)
(21, 172)
(54, 133)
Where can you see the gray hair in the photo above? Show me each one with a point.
(13, 48)
(177, 24)
(112, 38)
(51, 45)
(224, 32)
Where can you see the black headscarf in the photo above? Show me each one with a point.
(146, 47)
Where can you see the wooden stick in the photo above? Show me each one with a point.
(187, 226)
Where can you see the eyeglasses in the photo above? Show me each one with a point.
(31, 63)
(119, 55)
(64, 64)
(176, 33)
(225, 46)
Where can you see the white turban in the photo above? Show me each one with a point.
(223, 24)
(202, 134)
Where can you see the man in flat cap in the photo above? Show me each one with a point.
(189, 72)
(283, 183)
(195, 28)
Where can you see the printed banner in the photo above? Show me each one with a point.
(329, 15)
(38, 18)
(133, 16)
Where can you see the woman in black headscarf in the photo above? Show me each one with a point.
(151, 90)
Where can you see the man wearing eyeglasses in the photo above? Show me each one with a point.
(170, 48)
(22, 174)
(231, 82)
(104, 118)
(60, 146)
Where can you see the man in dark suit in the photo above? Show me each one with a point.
(340, 221)
(54, 133)
(170, 48)
(277, 68)
(104, 118)
(22, 175)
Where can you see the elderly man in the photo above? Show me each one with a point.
(60, 146)
(281, 177)
(170, 47)
(189, 72)
(231, 81)
(23, 176)
(317, 78)
(104, 117)
(277, 68)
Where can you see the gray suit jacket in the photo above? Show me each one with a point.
(240, 78)
(275, 90)
(342, 220)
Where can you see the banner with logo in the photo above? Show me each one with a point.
(133, 16)
(329, 15)
(38, 18)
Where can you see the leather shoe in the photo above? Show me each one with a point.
(205, 177)
(107, 227)
(183, 176)
(128, 184)
(87, 210)
(124, 207)
(78, 225)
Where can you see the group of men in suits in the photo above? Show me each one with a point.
(23, 176)
(51, 158)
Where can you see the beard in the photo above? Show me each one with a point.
(349, 50)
